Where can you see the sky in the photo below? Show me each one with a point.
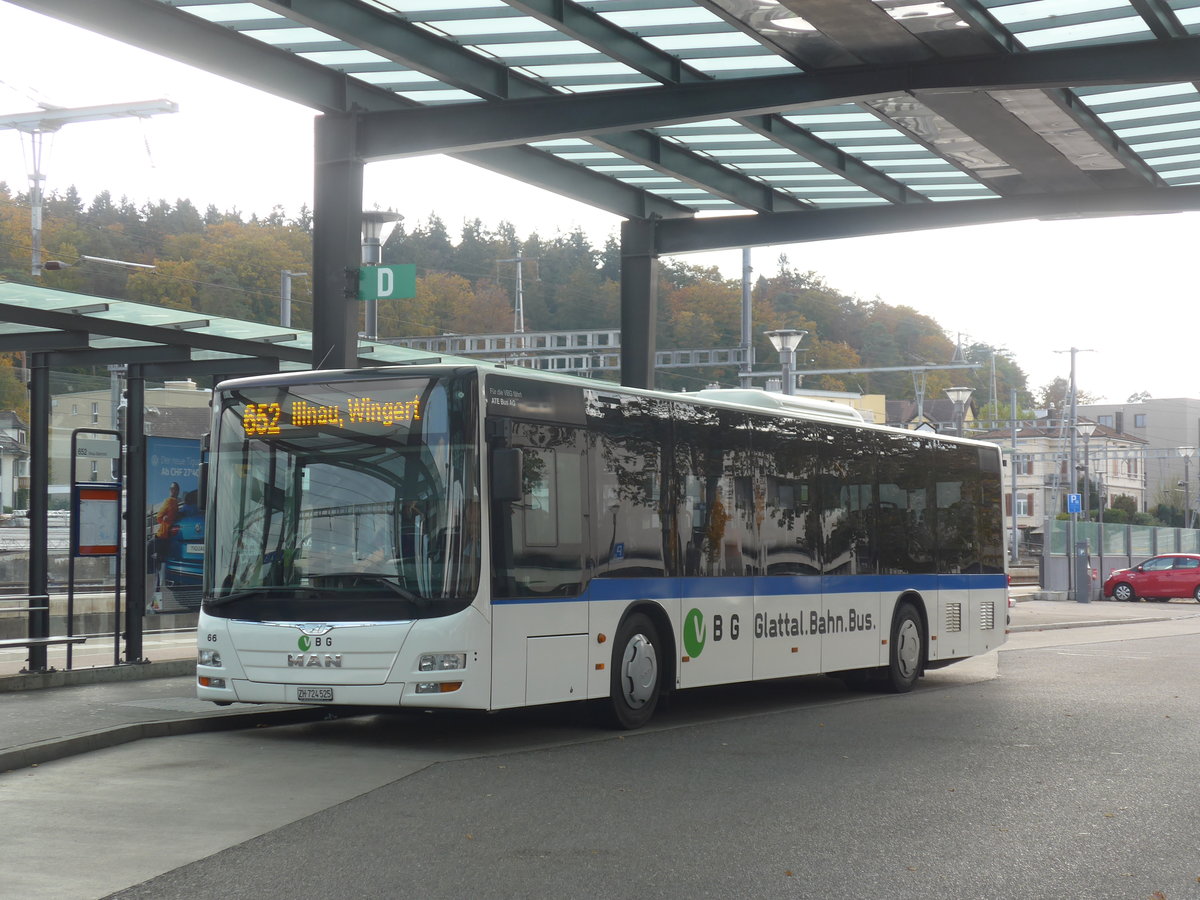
(1123, 289)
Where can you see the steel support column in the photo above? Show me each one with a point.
(135, 512)
(639, 302)
(39, 494)
(337, 235)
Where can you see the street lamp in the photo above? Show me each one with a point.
(1186, 453)
(959, 397)
(373, 227)
(786, 341)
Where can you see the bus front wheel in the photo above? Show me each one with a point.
(907, 650)
(636, 677)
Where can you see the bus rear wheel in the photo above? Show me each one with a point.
(636, 680)
(907, 650)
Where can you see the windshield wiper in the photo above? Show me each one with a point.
(356, 579)
(398, 589)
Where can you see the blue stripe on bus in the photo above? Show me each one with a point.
(608, 589)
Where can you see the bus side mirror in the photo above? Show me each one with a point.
(507, 468)
(202, 494)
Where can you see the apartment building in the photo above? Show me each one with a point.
(1040, 465)
(1166, 427)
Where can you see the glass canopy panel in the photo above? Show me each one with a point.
(1185, 112)
(345, 57)
(229, 13)
(494, 26)
(1188, 15)
(554, 72)
(421, 9)
(1156, 121)
(293, 37)
(656, 16)
(744, 66)
(526, 53)
(1009, 12)
(690, 45)
(1041, 24)
(395, 78)
(439, 96)
(781, 29)
(887, 149)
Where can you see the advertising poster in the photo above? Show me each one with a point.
(174, 525)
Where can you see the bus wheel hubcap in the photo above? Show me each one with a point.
(639, 672)
(908, 648)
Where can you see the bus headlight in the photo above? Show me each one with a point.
(442, 662)
(209, 658)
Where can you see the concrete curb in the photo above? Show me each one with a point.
(170, 668)
(1057, 626)
(59, 748)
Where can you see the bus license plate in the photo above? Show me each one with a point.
(314, 695)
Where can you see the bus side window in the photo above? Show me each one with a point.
(906, 509)
(717, 521)
(631, 519)
(788, 451)
(547, 525)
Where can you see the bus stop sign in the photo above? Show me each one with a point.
(387, 282)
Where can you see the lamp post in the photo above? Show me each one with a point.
(373, 222)
(1083, 573)
(786, 341)
(1186, 453)
(1100, 498)
(959, 397)
(1085, 431)
(285, 295)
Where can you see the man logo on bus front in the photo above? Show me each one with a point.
(695, 633)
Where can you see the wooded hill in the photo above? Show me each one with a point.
(222, 263)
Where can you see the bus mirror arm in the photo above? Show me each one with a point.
(202, 494)
(507, 468)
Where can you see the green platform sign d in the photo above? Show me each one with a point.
(387, 282)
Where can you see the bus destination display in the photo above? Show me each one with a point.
(267, 419)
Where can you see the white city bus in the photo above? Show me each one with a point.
(479, 537)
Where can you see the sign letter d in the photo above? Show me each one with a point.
(385, 282)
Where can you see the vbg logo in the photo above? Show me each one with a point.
(695, 633)
(304, 643)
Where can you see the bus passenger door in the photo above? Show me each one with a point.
(540, 623)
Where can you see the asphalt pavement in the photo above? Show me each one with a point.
(55, 715)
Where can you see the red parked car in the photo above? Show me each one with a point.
(1158, 578)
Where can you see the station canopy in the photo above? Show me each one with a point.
(811, 118)
(79, 330)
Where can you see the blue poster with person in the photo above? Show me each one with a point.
(174, 524)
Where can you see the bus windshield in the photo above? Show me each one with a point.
(345, 500)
